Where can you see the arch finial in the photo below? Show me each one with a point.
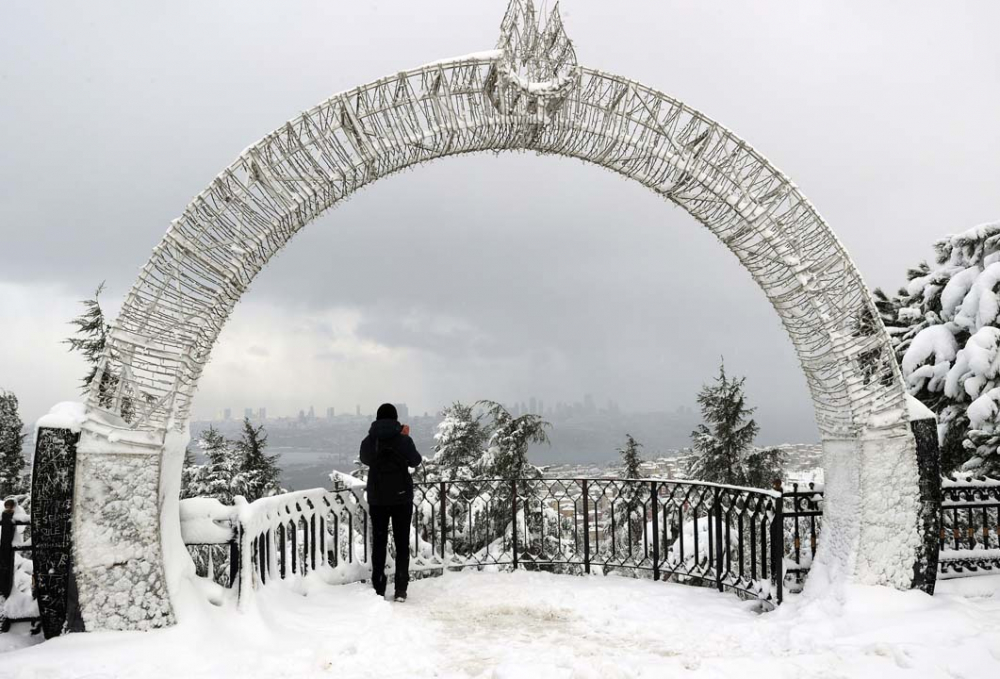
(538, 54)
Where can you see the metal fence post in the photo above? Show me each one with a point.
(234, 557)
(586, 528)
(778, 546)
(718, 538)
(656, 530)
(261, 558)
(444, 516)
(513, 524)
(282, 572)
(312, 541)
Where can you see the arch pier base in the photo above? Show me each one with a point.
(119, 556)
(876, 531)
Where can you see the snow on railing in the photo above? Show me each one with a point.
(209, 530)
(294, 534)
(682, 531)
(966, 481)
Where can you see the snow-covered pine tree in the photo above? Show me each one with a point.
(189, 474)
(629, 514)
(507, 458)
(12, 462)
(762, 467)
(259, 473)
(459, 442)
(946, 333)
(631, 460)
(723, 445)
(507, 455)
(217, 477)
(92, 337)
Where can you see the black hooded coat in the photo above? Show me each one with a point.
(389, 453)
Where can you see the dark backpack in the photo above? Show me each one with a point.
(391, 475)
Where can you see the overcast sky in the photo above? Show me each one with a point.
(478, 277)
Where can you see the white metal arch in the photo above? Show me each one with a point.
(529, 94)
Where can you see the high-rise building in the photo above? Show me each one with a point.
(248, 413)
(262, 414)
(541, 407)
(329, 413)
(588, 404)
(227, 414)
(402, 412)
(312, 413)
(357, 410)
(533, 406)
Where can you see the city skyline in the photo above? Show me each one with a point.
(533, 405)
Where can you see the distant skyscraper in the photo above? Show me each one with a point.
(329, 413)
(541, 407)
(262, 414)
(302, 416)
(227, 414)
(533, 405)
(588, 403)
(248, 413)
(402, 412)
(312, 413)
(357, 410)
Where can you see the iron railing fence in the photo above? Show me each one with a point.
(216, 561)
(969, 541)
(803, 519)
(970, 527)
(725, 537)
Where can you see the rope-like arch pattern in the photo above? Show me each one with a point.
(173, 314)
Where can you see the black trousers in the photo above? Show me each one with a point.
(400, 516)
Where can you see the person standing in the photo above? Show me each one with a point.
(389, 453)
(7, 529)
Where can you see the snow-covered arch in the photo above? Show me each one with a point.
(529, 94)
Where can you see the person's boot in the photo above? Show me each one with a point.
(379, 584)
(400, 597)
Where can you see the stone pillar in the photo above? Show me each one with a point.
(923, 423)
(52, 478)
(117, 552)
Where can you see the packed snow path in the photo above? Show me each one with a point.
(524, 625)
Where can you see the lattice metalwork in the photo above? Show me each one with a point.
(527, 95)
(683, 531)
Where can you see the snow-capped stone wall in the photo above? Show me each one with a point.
(117, 554)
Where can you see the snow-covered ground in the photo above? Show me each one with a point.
(524, 625)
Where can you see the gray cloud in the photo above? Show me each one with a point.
(482, 276)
